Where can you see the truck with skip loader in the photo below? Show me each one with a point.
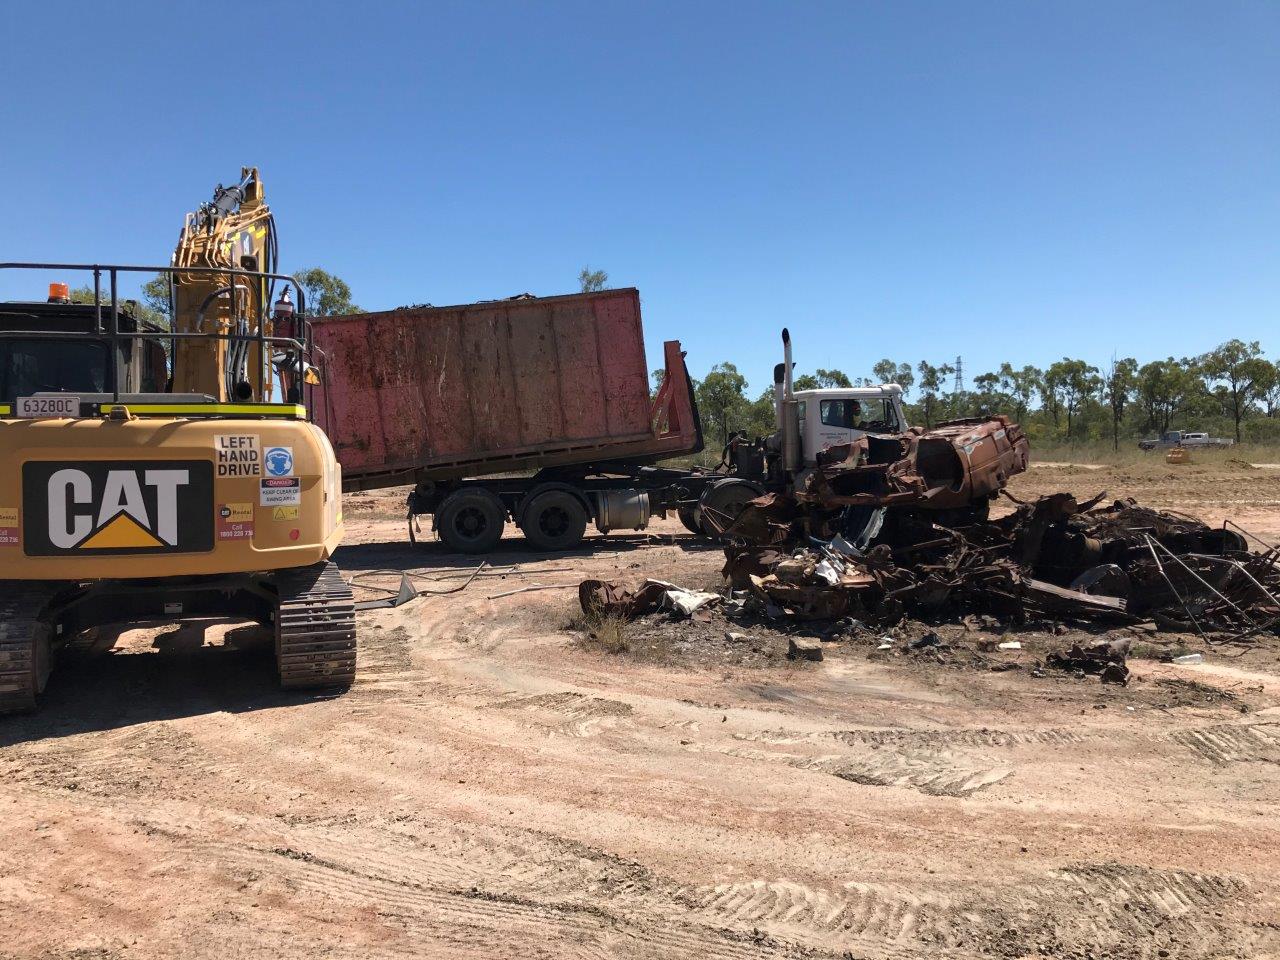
(538, 411)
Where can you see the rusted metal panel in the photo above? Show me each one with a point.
(443, 392)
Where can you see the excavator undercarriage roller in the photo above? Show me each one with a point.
(315, 628)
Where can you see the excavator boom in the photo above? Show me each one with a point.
(233, 231)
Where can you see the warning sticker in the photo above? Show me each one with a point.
(284, 513)
(239, 455)
(280, 491)
(8, 526)
(235, 521)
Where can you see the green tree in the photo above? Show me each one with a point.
(762, 416)
(1021, 386)
(1050, 390)
(988, 395)
(833, 378)
(722, 400)
(1238, 369)
(327, 295)
(155, 297)
(145, 310)
(1166, 388)
(1269, 389)
(823, 380)
(592, 280)
(1071, 383)
(886, 371)
(657, 376)
(932, 380)
(1118, 387)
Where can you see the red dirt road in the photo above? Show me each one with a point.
(491, 786)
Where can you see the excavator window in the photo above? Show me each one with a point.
(34, 366)
(155, 367)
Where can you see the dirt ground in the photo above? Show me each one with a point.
(498, 785)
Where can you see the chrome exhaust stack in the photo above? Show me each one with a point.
(789, 411)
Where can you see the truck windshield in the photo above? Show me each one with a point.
(35, 366)
(874, 416)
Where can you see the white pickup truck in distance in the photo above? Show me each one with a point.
(1178, 438)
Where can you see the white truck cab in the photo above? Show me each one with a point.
(830, 418)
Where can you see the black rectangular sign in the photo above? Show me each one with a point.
(89, 508)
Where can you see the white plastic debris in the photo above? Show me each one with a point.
(827, 571)
(1009, 645)
(684, 602)
(840, 545)
(1189, 658)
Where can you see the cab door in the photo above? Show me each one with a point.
(833, 425)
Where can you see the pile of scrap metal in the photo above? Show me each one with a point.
(833, 551)
(949, 474)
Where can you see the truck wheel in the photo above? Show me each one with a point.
(471, 521)
(554, 520)
(727, 498)
(689, 517)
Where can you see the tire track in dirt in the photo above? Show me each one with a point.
(937, 773)
(922, 739)
(1231, 743)
(580, 922)
(1089, 910)
(1220, 744)
(432, 882)
(585, 716)
(882, 916)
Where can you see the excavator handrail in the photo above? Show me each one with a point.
(305, 346)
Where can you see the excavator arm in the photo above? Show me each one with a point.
(234, 231)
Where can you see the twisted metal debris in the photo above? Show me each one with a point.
(1056, 557)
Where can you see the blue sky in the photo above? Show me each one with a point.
(913, 180)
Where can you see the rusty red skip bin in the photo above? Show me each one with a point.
(432, 393)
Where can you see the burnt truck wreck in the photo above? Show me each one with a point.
(947, 475)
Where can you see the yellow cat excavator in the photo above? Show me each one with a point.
(150, 473)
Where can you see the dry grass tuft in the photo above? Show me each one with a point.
(607, 633)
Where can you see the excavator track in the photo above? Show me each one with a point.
(315, 627)
(24, 648)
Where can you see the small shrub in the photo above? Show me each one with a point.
(606, 632)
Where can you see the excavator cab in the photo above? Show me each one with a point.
(150, 473)
(51, 346)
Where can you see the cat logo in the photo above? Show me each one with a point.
(158, 506)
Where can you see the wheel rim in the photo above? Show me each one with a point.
(470, 523)
(553, 522)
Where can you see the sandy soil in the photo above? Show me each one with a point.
(496, 786)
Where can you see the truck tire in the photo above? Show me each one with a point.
(554, 520)
(471, 521)
(689, 517)
(727, 498)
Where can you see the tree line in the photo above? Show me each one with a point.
(1232, 390)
